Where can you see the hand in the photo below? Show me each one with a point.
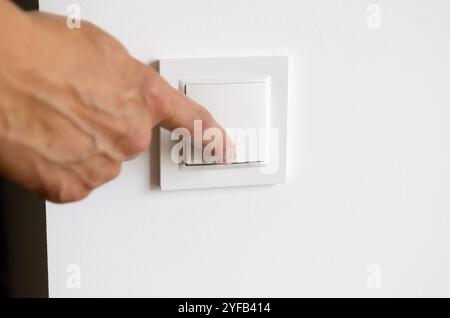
(74, 105)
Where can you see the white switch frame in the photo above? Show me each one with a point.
(178, 72)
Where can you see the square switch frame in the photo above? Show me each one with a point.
(180, 72)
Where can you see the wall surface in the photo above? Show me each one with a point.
(367, 198)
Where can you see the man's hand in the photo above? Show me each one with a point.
(74, 105)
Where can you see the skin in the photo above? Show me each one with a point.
(74, 105)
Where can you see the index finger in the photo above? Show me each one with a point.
(181, 112)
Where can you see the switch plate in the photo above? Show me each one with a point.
(247, 93)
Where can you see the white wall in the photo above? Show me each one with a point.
(368, 176)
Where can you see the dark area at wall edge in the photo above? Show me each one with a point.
(23, 250)
(28, 4)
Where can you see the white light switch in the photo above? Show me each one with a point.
(248, 97)
(243, 109)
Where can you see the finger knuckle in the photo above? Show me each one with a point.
(53, 191)
(138, 142)
(59, 191)
(104, 170)
(113, 172)
(77, 194)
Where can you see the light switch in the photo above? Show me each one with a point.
(248, 97)
(243, 109)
